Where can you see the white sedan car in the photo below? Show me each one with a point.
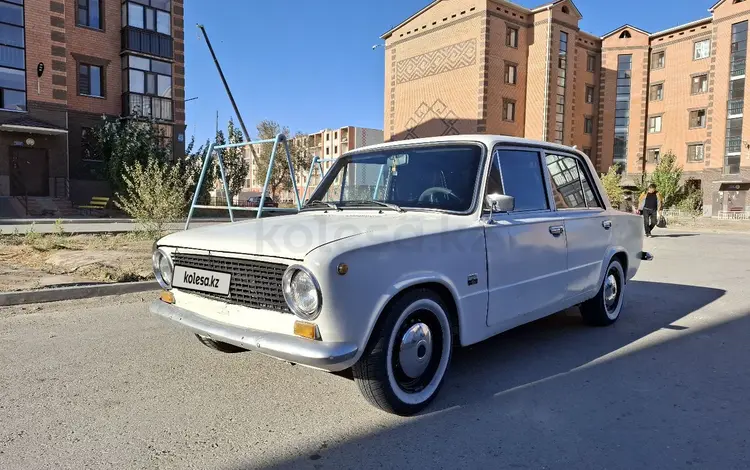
(405, 251)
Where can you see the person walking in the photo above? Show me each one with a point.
(650, 205)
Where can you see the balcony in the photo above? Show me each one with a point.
(154, 107)
(735, 108)
(147, 42)
(737, 68)
(733, 145)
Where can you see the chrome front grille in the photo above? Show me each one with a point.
(255, 284)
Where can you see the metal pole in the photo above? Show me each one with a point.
(209, 152)
(268, 175)
(226, 186)
(226, 86)
(291, 173)
(309, 177)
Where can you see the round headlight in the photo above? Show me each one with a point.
(301, 292)
(163, 269)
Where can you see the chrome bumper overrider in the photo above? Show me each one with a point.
(328, 356)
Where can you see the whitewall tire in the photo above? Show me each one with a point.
(605, 308)
(405, 363)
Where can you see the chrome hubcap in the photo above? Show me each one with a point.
(610, 291)
(416, 350)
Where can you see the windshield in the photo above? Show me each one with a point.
(438, 177)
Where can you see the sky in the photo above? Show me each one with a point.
(309, 65)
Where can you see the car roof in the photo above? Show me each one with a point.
(489, 140)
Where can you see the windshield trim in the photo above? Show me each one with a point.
(346, 158)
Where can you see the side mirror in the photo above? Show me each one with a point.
(500, 203)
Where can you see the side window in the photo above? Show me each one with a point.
(523, 179)
(494, 180)
(566, 182)
(588, 191)
(570, 185)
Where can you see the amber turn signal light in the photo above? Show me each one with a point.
(306, 330)
(167, 297)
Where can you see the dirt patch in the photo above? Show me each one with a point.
(36, 261)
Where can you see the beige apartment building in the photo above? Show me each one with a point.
(327, 145)
(492, 66)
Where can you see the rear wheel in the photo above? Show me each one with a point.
(219, 346)
(402, 370)
(605, 308)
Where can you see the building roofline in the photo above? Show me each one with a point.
(715, 5)
(388, 33)
(548, 5)
(625, 26)
(683, 26)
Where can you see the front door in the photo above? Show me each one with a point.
(29, 172)
(526, 249)
(588, 225)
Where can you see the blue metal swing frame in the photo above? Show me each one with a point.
(316, 161)
(216, 150)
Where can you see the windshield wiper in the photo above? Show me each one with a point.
(312, 204)
(377, 203)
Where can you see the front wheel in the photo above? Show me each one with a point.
(402, 370)
(605, 308)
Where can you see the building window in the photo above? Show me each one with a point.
(697, 118)
(328, 150)
(622, 108)
(511, 37)
(589, 94)
(12, 57)
(657, 92)
(587, 151)
(658, 59)
(591, 63)
(509, 110)
(561, 84)
(625, 34)
(695, 153)
(90, 80)
(738, 56)
(148, 83)
(654, 124)
(511, 74)
(652, 155)
(588, 125)
(335, 149)
(700, 84)
(702, 49)
(155, 17)
(90, 14)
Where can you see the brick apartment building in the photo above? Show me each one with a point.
(99, 57)
(492, 66)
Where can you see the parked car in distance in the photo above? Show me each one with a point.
(254, 201)
(404, 252)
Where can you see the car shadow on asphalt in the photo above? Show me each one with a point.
(555, 366)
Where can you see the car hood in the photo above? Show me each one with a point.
(293, 236)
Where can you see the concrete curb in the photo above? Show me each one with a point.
(74, 293)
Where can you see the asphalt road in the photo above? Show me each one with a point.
(103, 384)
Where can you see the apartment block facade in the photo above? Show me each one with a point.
(66, 63)
(492, 66)
(327, 145)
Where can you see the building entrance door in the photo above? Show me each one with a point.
(29, 172)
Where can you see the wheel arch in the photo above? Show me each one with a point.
(442, 289)
(620, 254)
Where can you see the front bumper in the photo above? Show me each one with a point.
(318, 354)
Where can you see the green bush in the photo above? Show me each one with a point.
(154, 194)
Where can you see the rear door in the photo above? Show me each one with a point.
(526, 249)
(587, 224)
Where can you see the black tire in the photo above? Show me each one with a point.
(219, 346)
(605, 308)
(403, 380)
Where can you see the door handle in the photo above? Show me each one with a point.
(556, 230)
(607, 224)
